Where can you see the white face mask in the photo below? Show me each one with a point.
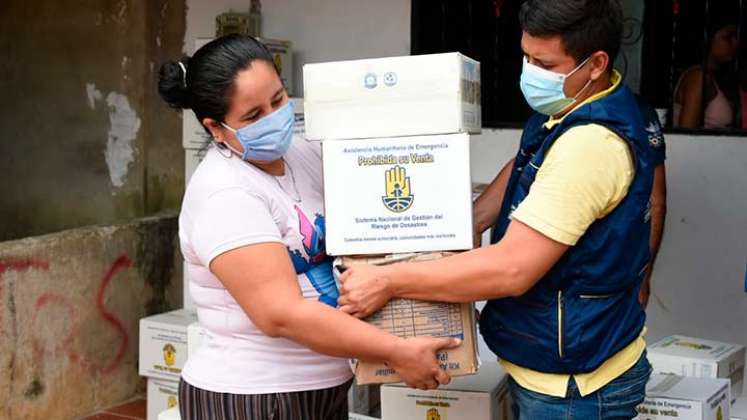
(544, 89)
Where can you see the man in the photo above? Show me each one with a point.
(571, 230)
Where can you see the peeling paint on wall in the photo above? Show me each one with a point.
(124, 125)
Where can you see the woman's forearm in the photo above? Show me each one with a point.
(329, 331)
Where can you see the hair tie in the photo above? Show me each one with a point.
(184, 69)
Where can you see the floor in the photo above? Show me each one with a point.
(133, 410)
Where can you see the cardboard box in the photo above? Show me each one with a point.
(170, 414)
(392, 97)
(163, 344)
(739, 409)
(697, 357)
(356, 416)
(413, 318)
(397, 195)
(480, 397)
(195, 337)
(685, 398)
(162, 395)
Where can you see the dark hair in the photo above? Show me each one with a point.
(585, 26)
(210, 72)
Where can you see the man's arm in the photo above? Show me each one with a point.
(509, 268)
(658, 218)
(488, 205)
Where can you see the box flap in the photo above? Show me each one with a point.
(684, 388)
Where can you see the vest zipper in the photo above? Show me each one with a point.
(596, 296)
(560, 323)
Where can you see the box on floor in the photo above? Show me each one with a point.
(162, 395)
(391, 97)
(163, 344)
(688, 356)
(395, 195)
(413, 318)
(483, 396)
(685, 398)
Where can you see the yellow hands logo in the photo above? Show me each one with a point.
(171, 401)
(432, 414)
(398, 196)
(169, 355)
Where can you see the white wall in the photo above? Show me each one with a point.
(321, 30)
(699, 278)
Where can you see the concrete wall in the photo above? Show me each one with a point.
(321, 30)
(84, 139)
(70, 303)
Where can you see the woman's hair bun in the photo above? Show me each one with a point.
(172, 84)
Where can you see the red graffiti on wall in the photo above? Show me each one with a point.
(66, 344)
(19, 266)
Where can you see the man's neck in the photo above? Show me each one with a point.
(597, 86)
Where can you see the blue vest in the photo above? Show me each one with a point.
(585, 309)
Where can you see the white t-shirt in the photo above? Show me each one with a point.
(229, 204)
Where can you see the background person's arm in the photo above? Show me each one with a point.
(658, 219)
(488, 205)
(691, 114)
(262, 280)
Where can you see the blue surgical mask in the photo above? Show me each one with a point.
(543, 89)
(269, 138)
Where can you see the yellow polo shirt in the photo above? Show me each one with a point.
(585, 175)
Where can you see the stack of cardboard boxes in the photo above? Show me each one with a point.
(163, 353)
(395, 138)
(694, 379)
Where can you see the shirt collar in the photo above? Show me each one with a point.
(616, 79)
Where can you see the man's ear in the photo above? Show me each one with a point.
(599, 63)
(216, 130)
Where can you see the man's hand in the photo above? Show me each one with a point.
(364, 290)
(415, 361)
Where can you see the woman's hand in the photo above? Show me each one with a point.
(365, 289)
(416, 362)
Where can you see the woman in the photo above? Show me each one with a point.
(251, 230)
(705, 95)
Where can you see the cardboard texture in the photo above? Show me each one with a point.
(412, 318)
(391, 97)
(397, 195)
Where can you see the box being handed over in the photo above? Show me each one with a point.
(386, 196)
(688, 356)
(163, 344)
(685, 398)
(413, 318)
(390, 97)
(480, 397)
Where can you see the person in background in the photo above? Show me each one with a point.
(251, 230)
(571, 230)
(706, 94)
(658, 194)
